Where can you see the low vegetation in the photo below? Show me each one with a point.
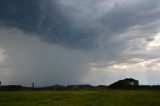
(81, 98)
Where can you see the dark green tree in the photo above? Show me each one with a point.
(125, 83)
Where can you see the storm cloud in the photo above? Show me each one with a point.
(79, 41)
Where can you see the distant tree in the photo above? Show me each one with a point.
(125, 83)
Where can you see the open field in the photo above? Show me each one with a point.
(81, 98)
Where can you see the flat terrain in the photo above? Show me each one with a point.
(81, 98)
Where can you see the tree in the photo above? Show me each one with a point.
(125, 83)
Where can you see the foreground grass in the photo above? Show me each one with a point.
(81, 98)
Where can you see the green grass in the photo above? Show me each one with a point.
(81, 98)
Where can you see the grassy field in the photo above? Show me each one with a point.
(81, 98)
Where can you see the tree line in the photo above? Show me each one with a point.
(128, 83)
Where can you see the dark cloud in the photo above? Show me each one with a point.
(53, 22)
(125, 15)
(149, 39)
(47, 19)
(21, 14)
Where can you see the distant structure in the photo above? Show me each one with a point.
(32, 86)
(0, 85)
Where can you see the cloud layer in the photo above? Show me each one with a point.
(72, 41)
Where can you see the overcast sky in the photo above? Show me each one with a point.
(79, 41)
